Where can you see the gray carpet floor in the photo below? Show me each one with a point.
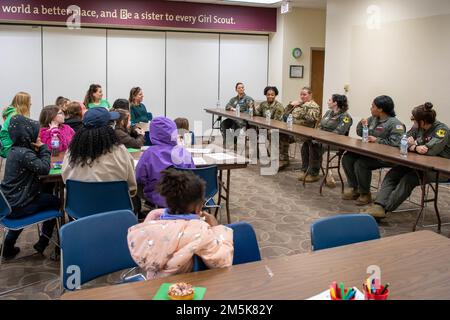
(279, 208)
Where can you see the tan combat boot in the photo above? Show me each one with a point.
(311, 179)
(376, 211)
(301, 176)
(350, 194)
(364, 199)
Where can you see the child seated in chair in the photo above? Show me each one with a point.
(28, 159)
(165, 243)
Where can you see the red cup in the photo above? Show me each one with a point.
(374, 296)
(345, 292)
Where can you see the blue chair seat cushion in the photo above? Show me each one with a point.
(21, 223)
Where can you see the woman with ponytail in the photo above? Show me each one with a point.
(165, 243)
(427, 137)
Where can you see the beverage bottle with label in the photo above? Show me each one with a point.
(404, 146)
(55, 145)
(365, 135)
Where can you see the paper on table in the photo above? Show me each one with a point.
(199, 161)
(199, 292)
(193, 150)
(327, 296)
(221, 156)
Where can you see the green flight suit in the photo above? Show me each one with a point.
(244, 104)
(358, 168)
(400, 181)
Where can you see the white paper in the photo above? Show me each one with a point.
(221, 156)
(144, 148)
(327, 296)
(193, 150)
(135, 163)
(198, 161)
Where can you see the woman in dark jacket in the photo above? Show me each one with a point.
(28, 159)
(130, 137)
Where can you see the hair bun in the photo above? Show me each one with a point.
(428, 106)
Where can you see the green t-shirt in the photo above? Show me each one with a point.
(103, 103)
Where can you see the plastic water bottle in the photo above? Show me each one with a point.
(250, 112)
(218, 104)
(290, 121)
(238, 110)
(268, 115)
(55, 145)
(365, 135)
(404, 146)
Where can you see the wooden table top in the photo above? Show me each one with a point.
(375, 150)
(417, 266)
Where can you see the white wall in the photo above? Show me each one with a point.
(137, 59)
(73, 59)
(302, 28)
(20, 65)
(192, 75)
(407, 58)
(243, 59)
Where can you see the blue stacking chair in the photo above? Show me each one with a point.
(246, 247)
(87, 198)
(17, 224)
(209, 175)
(342, 230)
(95, 246)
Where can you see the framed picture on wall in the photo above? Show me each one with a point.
(296, 71)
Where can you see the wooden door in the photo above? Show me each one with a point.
(317, 74)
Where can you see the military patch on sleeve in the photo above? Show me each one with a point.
(346, 120)
(399, 127)
(441, 133)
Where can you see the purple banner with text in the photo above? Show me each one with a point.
(139, 14)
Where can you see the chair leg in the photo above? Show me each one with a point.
(3, 244)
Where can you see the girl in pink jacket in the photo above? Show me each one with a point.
(165, 243)
(52, 123)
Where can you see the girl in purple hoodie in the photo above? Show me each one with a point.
(164, 153)
(52, 123)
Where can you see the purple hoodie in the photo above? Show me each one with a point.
(164, 153)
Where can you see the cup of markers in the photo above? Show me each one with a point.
(341, 293)
(372, 293)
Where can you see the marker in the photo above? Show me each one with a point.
(385, 288)
(342, 290)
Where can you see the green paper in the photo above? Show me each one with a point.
(131, 150)
(199, 292)
(55, 171)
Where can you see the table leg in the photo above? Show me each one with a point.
(339, 170)
(219, 200)
(435, 200)
(421, 176)
(227, 192)
(326, 170)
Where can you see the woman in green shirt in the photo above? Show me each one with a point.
(138, 110)
(21, 104)
(94, 97)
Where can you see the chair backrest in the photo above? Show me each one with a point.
(246, 247)
(5, 208)
(245, 244)
(147, 141)
(209, 175)
(95, 246)
(87, 198)
(342, 230)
